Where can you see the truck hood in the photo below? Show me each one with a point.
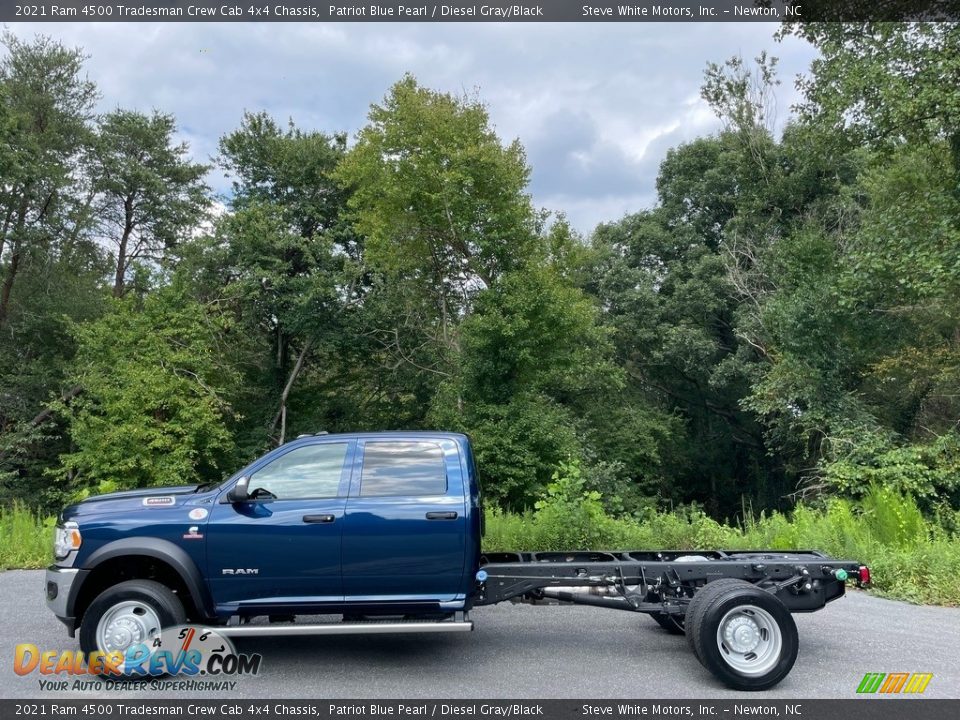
(129, 500)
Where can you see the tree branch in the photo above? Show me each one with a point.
(48, 411)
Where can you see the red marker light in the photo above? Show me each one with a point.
(864, 575)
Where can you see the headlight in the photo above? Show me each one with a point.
(66, 539)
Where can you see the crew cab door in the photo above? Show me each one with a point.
(281, 548)
(404, 530)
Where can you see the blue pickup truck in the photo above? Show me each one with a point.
(384, 529)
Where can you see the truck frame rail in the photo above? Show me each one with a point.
(660, 581)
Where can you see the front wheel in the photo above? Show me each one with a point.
(128, 614)
(744, 635)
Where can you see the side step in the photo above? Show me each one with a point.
(344, 628)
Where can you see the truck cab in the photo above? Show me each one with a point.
(358, 524)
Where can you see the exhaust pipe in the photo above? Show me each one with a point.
(585, 598)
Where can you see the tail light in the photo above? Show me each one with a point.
(864, 575)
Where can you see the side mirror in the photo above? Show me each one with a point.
(238, 493)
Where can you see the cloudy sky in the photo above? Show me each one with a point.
(596, 105)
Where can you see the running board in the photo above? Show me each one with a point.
(344, 628)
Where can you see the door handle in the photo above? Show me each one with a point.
(319, 518)
(452, 515)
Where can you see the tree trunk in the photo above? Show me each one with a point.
(3, 232)
(282, 411)
(119, 280)
(8, 283)
(14, 260)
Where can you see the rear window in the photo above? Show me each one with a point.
(403, 468)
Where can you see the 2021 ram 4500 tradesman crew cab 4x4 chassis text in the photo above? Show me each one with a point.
(384, 529)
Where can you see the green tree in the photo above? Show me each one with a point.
(287, 263)
(854, 302)
(533, 358)
(50, 270)
(46, 119)
(667, 294)
(442, 204)
(885, 83)
(899, 283)
(155, 408)
(290, 169)
(35, 363)
(149, 195)
(664, 278)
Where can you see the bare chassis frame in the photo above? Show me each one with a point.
(659, 582)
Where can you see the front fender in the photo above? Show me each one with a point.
(164, 550)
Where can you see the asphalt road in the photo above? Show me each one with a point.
(522, 651)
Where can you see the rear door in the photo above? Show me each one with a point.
(404, 530)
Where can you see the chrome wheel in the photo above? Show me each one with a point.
(125, 624)
(749, 640)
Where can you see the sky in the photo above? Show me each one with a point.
(596, 105)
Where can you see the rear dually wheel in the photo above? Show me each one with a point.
(743, 635)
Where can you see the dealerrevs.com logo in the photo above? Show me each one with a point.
(894, 683)
(185, 651)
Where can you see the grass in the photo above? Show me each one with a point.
(26, 538)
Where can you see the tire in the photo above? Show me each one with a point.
(139, 608)
(700, 599)
(743, 635)
(673, 624)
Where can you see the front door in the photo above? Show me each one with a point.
(282, 547)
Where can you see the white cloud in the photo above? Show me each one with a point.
(596, 105)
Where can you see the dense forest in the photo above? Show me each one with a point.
(784, 324)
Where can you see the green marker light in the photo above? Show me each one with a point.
(840, 574)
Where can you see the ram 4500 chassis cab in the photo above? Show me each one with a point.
(384, 529)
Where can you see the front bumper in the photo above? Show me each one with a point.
(60, 588)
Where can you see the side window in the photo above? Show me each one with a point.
(403, 468)
(311, 471)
